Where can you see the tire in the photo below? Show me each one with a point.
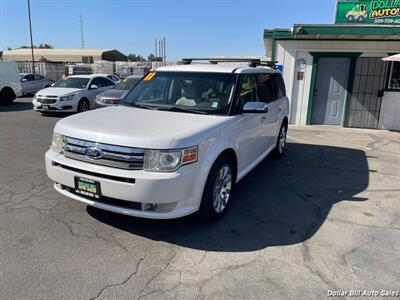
(350, 18)
(280, 146)
(83, 105)
(360, 19)
(217, 194)
(7, 96)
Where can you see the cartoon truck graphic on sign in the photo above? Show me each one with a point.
(358, 13)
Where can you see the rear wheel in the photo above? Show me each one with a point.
(217, 193)
(83, 105)
(7, 96)
(350, 18)
(280, 146)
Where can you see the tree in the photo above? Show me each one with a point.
(136, 58)
(152, 57)
(41, 46)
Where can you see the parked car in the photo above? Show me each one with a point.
(112, 77)
(10, 85)
(31, 83)
(116, 94)
(177, 144)
(75, 93)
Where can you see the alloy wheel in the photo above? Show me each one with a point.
(222, 188)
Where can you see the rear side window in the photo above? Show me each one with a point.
(279, 86)
(266, 91)
(105, 82)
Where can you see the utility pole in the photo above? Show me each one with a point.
(30, 30)
(82, 36)
(155, 46)
(164, 51)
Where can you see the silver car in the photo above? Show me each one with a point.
(116, 94)
(32, 83)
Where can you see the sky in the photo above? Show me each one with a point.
(192, 28)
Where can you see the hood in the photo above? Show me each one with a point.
(113, 94)
(57, 91)
(142, 128)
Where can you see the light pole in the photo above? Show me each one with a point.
(30, 30)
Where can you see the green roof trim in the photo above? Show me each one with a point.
(303, 31)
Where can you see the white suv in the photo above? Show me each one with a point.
(178, 143)
(75, 93)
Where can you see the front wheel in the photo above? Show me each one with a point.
(83, 106)
(280, 146)
(218, 190)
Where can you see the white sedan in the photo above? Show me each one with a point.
(72, 94)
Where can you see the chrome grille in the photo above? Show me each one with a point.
(46, 99)
(112, 156)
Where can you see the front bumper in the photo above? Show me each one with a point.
(180, 192)
(64, 106)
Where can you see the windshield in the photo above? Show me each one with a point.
(73, 82)
(206, 92)
(127, 84)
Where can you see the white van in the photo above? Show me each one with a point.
(10, 85)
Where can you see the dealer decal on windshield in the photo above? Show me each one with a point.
(150, 76)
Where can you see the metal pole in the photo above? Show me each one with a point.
(165, 51)
(82, 36)
(30, 30)
(155, 46)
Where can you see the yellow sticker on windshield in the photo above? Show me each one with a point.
(150, 76)
(125, 80)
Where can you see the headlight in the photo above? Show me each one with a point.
(67, 98)
(57, 142)
(168, 160)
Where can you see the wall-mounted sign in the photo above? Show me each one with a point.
(368, 12)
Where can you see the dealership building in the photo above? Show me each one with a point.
(335, 74)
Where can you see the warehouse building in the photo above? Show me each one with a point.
(335, 74)
(87, 56)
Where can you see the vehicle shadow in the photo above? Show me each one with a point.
(16, 106)
(279, 203)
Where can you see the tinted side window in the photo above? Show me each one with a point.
(279, 86)
(96, 81)
(105, 82)
(38, 77)
(266, 90)
(29, 77)
(248, 89)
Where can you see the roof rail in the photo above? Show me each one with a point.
(253, 62)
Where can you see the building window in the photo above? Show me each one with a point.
(394, 76)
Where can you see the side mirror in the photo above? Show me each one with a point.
(94, 87)
(255, 107)
(24, 80)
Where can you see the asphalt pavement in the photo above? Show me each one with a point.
(325, 217)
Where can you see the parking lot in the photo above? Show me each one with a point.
(325, 217)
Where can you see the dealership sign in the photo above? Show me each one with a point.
(368, 12)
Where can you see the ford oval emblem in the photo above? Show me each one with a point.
(93, 153)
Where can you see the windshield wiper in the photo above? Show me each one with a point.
(181, 109)
(137, 105)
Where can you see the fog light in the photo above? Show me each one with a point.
(149, 206)
(157, 207)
